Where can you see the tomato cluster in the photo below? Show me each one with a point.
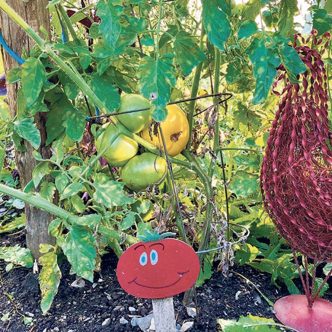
(140, 171)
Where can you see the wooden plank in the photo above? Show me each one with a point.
(164, 316)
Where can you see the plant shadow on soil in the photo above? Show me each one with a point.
(85, 309)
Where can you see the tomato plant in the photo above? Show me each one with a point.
(143, 58)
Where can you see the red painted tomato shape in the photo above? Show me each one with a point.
(158, 269)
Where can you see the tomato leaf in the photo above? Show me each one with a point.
(17, 255)
(247, 29)
(265, 62)
(72, 189)
(288, 8)
(26, 129)
(39, 172)
(128, 221)
(109, 192)
(322, 21)
(75, 124)
(188, 54)
(79, 246)
(49, 279)
(291, 60)
(216, 23)
(252, 8)
(244, 184)
(106, 91)
(33, 78)
(249, 323)
(157, 78)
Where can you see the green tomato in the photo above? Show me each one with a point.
(143, 171)
(136, 121)
(115, 147)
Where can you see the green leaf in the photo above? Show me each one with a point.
(42, 169)
(247, 29)
(106, 91)
(264, 61)
(2, 156)
(47, 190)
(318, 284)
(72, 189)
(328, 6)
(110, 193)
(157, 78)
(17, 256)
(75, 125)
(216, 23)
(252, 9)
(33, 78)
(322, 21)
(246, 254)
(79, 246)
(49, 279)
(61, 182)
(188, 54)
(291, 60)
(90, 220)
(248, 324)
(15, 224)
(327, 268)
(128, 221)
(288, 8)
(26, 129)
(244, 184)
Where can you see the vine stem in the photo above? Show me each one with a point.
(38, 202)
(194, 91)
(209, 207)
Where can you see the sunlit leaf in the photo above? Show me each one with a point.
(216, 23)
(26, 129)
(188, 54)
(79, 246)
(33, 78)
(265, 62)
(49, 279)
(157, 78)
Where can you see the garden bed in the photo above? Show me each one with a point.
(103, 305)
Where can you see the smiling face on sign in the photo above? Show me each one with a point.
(158, 269)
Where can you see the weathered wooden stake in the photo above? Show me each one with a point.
(164, 316)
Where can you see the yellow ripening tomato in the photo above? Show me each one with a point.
(175, 129)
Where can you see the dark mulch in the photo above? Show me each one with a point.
(85, 309)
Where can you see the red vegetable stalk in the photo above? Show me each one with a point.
(296, 174)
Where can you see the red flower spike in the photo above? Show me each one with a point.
(158, 269)
(296, 181)
(296, 175)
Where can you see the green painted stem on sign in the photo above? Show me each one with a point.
(38, 202)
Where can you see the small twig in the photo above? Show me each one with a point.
(269, 302)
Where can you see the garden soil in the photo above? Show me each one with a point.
(104, 306)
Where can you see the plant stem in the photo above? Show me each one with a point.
(194, 91)
(38, 202)
(216, 141)
(68, 23)
(209, 193)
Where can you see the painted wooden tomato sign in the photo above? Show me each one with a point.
(158, 269)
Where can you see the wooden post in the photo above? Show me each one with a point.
(164, 316)
(36, 15)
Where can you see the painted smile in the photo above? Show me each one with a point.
(181, 274)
